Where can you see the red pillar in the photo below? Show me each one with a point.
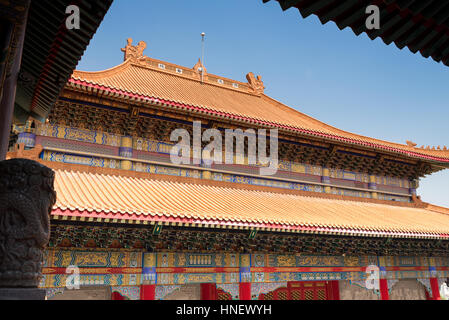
(208, 291)
(147, 292)
(245, 290)
(383, 284)
(333, 290)
(435, 289)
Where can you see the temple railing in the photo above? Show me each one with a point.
(159, 167)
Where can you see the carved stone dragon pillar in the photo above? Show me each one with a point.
(26, 198)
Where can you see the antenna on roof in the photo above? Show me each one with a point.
(202, 54)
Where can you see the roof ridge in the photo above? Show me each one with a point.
(184, 67)
(436, 208)
(109, 72)
(199, 72)
(80, 74)
(181, 75)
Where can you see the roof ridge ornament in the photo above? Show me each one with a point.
(134, 52)
(438, 148)
(255, 83)
(200, 69)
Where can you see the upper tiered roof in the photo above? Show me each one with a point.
(144, 79)
(133, 197)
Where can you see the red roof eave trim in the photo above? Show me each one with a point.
(258, 121)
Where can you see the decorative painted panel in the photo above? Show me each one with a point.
(170, 260)
(77, 159)
(262, 288)
(52, 292)
(348, 175)
(115, 268)
(232, 289)
(130, 292)
(390, 197)
(163, 291)
(351, 193)
(60, 280)
(273, 260)
(81, 258)
(129, 268)
(356, 290)
(403, 261)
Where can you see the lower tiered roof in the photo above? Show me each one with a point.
(110, 195)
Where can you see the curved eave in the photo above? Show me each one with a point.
(170, 219)
(418, 25)
(51, 51)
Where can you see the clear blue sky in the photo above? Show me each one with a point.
(350, 82)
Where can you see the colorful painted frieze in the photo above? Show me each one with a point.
(124, 268)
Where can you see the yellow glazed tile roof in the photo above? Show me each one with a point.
(120, 197)
(135, 79)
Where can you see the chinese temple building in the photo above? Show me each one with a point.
(340, 219)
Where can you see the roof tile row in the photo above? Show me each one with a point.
(147, 198)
